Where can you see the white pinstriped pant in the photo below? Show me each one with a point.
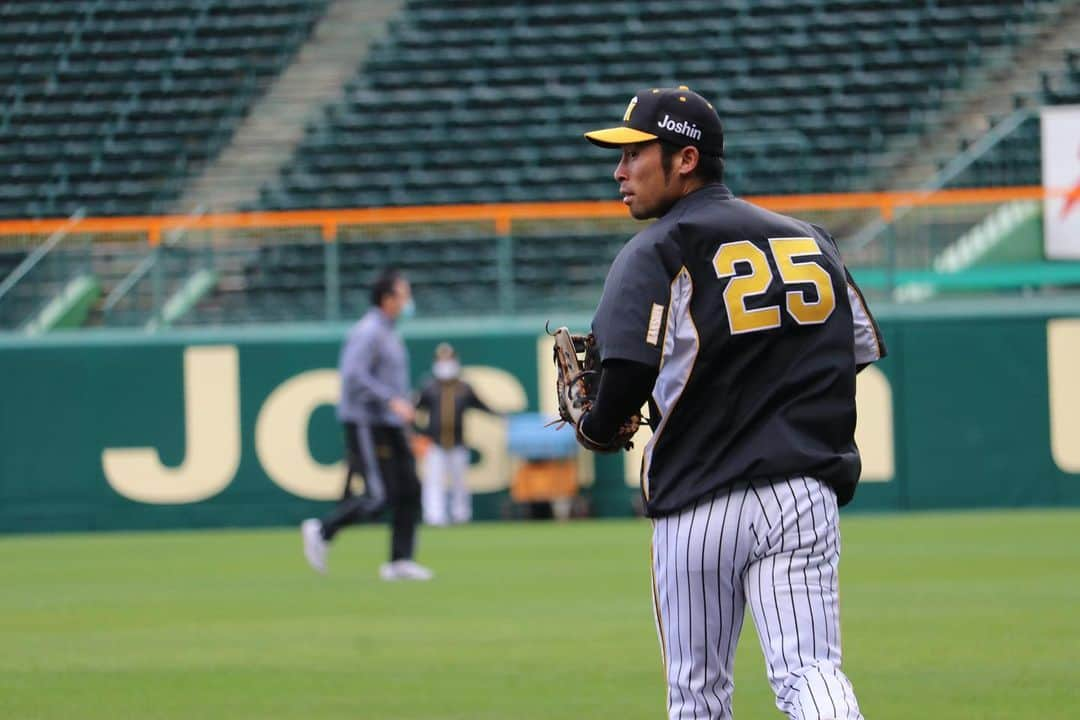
(774, 546)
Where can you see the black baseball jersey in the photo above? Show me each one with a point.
(756, 328)
(447, 401)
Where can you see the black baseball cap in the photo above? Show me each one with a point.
(677, 115)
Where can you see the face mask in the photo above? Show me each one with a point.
(409, 309)
(445, 369)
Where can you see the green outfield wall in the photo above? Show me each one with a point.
(976, 406)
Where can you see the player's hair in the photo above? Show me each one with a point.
(710, 168)
(384, 285)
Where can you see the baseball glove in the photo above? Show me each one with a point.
(577, 380)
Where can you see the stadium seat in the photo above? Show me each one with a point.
(128, 76)
(457, 90)
(112, 105)
(1012, 161)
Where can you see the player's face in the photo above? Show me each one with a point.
(395, 303)
(645, 188)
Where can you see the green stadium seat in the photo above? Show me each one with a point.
(1014, 160)
(170, 77)
(478, 101)
(445, 76)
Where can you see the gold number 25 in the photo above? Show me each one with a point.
(792, 271)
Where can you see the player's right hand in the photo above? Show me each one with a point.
(403, 409)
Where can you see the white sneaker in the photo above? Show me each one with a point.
(409, 570)
(404, 570)
(314, 545)
(388, 571)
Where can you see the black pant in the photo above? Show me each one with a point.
(354, 462)
(381, 454)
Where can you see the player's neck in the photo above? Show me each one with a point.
(692, 184)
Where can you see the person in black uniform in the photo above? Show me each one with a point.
(446, 397)
(744, 332)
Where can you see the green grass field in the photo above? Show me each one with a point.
(944, 616)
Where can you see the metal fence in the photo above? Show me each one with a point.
(153, 272)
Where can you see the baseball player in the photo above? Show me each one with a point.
(744, 331)
(446, 397)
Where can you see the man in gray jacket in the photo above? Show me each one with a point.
(377, 413)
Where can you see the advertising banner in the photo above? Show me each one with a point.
(1061, 174)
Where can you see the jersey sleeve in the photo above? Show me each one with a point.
(473, 400)
(630, 320)
(423, 398)
(869, 345)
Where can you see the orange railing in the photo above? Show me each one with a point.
(503, 215)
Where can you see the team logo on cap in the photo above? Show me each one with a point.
(688, 129)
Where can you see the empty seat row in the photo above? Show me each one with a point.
(484, 101)
(285, 281)
(95, 95)
(1016, 159)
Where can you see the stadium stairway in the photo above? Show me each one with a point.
(1005, 154)
(483, 101)
(1011, 75)
(1013, 159)
(267, 137)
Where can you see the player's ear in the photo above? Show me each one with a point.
(688, 160)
